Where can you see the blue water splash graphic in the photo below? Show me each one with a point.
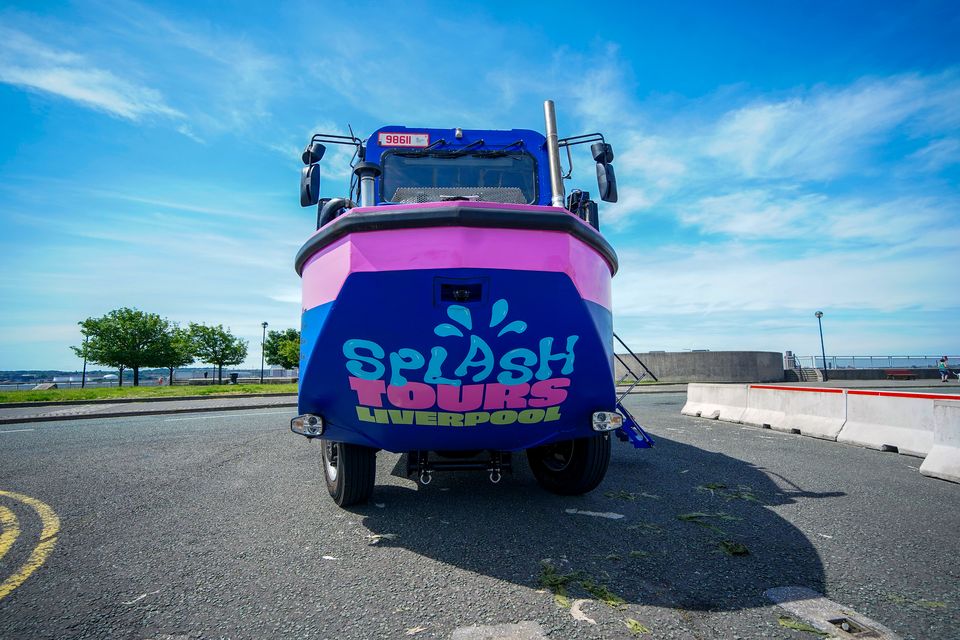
(444, 329)
(461, 315)
(517, 326)
(499, 312)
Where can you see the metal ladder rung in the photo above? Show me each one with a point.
(630, 372)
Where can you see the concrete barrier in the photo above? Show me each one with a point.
(943, 461)
(765, 407)
(818, 413)
(890, 421)
(716, 401)
(916, 424)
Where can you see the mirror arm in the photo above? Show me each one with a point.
(335, 139)
(584, 139)
(569, 172)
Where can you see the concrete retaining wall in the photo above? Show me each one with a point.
(709, 366)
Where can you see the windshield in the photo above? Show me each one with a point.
(488, 176)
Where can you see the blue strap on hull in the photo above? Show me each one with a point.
(632, 432)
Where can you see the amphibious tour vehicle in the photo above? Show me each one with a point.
(456, 308)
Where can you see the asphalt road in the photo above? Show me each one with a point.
(209, 525)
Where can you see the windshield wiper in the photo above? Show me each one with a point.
(415, 153)
(498, 153)
(462, 151)
(452, 153)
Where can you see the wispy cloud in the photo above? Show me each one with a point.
(824, 197)
(27, 63)
(232, 81)
(731, 276)
(826, 132)
(937, 155)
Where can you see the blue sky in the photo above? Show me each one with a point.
(773, 158)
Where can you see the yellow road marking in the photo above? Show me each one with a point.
(48, 539)
(9, 530)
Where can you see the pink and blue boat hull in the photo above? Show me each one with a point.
(456, 326)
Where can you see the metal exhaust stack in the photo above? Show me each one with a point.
(367, 172)
(553, 153)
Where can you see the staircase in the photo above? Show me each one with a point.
(803, 374)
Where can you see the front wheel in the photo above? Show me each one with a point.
(349, 470)
(571, 467)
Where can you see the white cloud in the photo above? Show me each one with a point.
(731, 277)
(288, 295)
(231, 82)
(651, 159)
(606, 99)
(27, 63)
(828, 132)
(754, 214)
(632, 202)
(188, 132)
(810, 218)
(937, 154)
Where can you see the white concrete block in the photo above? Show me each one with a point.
(818, 413)
(888, 419)
(716, 401)
(765, 406)
(943, 461)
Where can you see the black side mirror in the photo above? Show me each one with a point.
(607, 182)
(309, 185)
(602, 152)
(313, 153)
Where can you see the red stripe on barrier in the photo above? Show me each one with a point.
(807, 389)
(904, 394)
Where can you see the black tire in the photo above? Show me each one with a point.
(349, 471)
(571, 467)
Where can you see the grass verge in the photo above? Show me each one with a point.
(111, 393)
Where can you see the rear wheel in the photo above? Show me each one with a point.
(349, 471)
(571, 467)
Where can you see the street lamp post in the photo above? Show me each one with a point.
(263, 341)
(83, 378)
(823, 352)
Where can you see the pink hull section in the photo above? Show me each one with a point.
(455, 248)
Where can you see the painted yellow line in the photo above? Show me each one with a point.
(9, 530)
(48, 539)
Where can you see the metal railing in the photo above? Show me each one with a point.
(26, 386)
(873, 362)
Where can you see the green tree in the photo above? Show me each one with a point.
(217, 346)
(177, 350)
(124, 338)
(290, 352)
(282, 348)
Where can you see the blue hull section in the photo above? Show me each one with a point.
(457, 359)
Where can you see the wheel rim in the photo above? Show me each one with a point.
(330, 455)
(557, 456)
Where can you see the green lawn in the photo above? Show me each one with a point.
(108, 393)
